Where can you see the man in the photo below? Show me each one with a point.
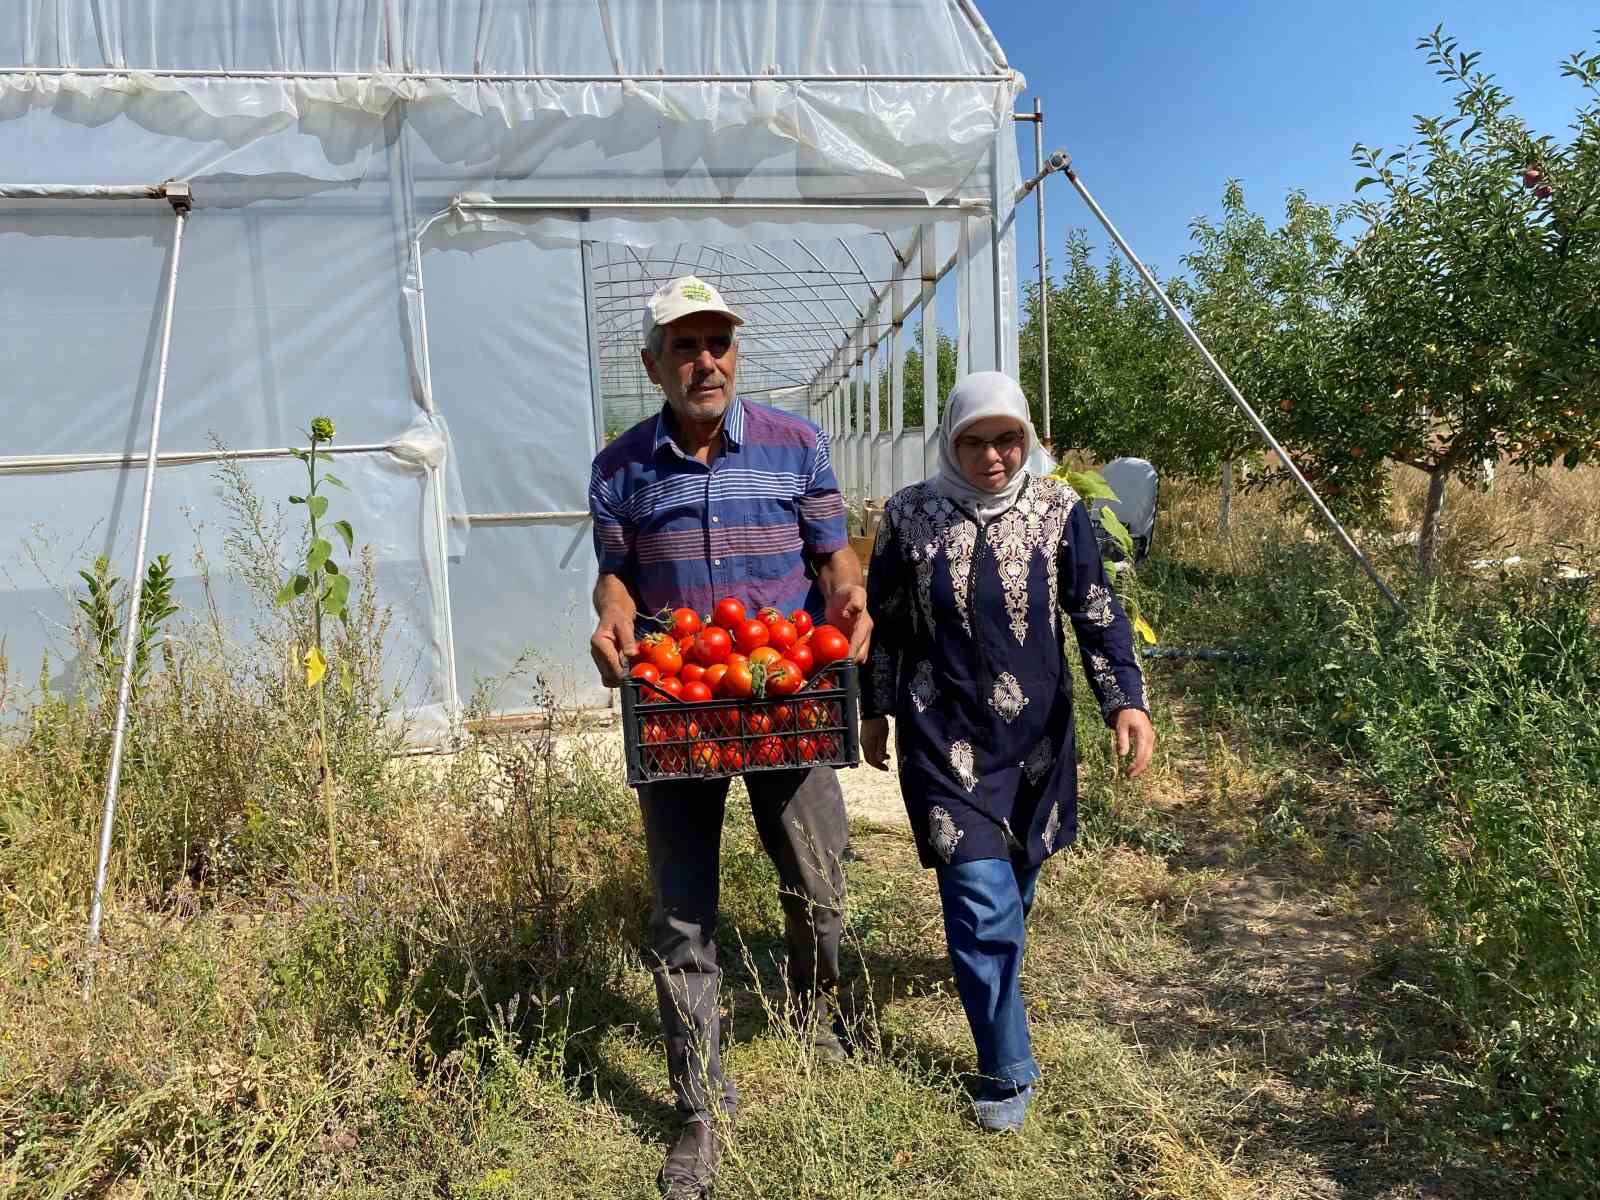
(713, 497)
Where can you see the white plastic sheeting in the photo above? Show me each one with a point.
(474, 354)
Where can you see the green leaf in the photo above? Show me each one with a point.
(1090, 485)
(346, 679)
(324, 457)
(320, 549)
(330, 477)
(348, 534)
(297, 499)
(318, 505)
(1118, 531)
(300, 454)
(1366, 182)
(288, 591)
(336, 594)
(330, 567)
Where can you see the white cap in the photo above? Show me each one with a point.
(683, 296)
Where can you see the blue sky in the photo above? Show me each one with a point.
(1159, 103)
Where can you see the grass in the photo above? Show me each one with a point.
(1233, 993)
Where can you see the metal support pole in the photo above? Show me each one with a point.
(1044, 283)
(930, 353)
(130, 633)
(436, 479)
(1228, 385)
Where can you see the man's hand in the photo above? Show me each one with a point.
(847, 612)
(1133, 730)
(875, 742)
(613, 642)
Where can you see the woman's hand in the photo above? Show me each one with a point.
(1132, 730)
(875, 742)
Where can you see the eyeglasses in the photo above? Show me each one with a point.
(1005, 444)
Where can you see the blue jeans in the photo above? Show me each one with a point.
(985, 905)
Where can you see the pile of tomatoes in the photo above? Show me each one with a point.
(755, 666)
(734, 656)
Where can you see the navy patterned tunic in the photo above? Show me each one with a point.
(968, 656)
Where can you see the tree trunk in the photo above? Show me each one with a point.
(1225, 499)
(1428, 543)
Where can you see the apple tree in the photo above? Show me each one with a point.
(1475, 284)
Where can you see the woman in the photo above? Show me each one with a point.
(971, 574)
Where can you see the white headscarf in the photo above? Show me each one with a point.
(981, 395)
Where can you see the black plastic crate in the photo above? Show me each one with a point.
(667, 738)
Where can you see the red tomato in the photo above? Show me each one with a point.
(672, 685)
(784, 678)
(665, 760)
(738, 682)
(647, 671)
(813, 714)
(737, 660)
(703, 757)
(768, 752)
(782, 716)
(764, 656)
(802, 621)
(686, 644)
(769, 614)
(713, 676)
(730, 756)
(806, 748)
(782, 634)
(696, 692)
(802, 657)
(685, 622)
(750, 634)
(663, 651)
(729, 613)
(711, 646)
(828, 645)
(692, 672)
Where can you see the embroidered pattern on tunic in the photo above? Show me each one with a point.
(1010, 541)
(922, 520)
(1008, 699)
(961, 541)
(882, 678)
(961, 759)
(1052, 826)
(1105, 682)
(942, 832)
(1037, 765)
(1098, 607)
(923, 692)
(1053, 508)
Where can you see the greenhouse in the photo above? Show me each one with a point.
(435, 222)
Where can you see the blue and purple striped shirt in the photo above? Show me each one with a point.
(677, 531)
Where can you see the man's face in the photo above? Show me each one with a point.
(698, 356)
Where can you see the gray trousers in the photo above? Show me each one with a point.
(800, 818)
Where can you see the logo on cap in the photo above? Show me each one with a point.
(697, 291)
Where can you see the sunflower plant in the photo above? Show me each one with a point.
(318, 579)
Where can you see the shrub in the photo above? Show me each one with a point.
(1484, 727)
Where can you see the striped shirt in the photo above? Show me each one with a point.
(679, 532)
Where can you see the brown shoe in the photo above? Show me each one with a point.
(686, 1175)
